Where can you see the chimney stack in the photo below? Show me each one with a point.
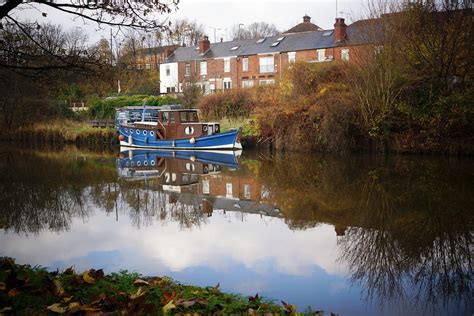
(339, 30)
(306, 19)
(204, 45)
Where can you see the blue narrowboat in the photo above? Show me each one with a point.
(171, 127)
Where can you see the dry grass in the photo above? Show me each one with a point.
(68, 129)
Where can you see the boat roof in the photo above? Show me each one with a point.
(166, 107)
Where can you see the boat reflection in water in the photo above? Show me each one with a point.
(194, 178)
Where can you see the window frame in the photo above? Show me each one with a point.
(266, 67)
(245, 64)
(345, 54)
(226, 64)
(187, 69)
(291, 57)
(321, 53)
(201, 68)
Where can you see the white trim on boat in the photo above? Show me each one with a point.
(228, 146)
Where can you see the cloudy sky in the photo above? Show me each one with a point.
(220, 15)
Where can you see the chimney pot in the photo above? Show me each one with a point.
(339, 30)
(204, 44)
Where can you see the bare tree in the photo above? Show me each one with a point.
(184, 32)
(138, 15)
(253, 31)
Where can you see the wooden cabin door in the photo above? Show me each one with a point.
(169, 121)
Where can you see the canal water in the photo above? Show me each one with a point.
(352, 235)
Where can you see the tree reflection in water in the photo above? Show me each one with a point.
(409, 220)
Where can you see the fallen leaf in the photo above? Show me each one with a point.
(96, 274)
(140, 282)
(59, 288)
(167, 297)
(168, 307)
(73, 305)
(139, 293)
(67, 299)
(44, 14)
(13, 292)
(88, 278)
(290, 308)
(57, 308)
(69, 271)
(91, 309)
(253, 298)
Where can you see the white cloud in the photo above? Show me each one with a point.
(218, 245)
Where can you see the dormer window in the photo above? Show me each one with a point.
(235, 48)
(261, 40)
(280, 38)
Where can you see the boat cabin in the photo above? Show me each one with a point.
(168, 122)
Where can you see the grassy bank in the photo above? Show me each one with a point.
(26, 290)
(62, 131)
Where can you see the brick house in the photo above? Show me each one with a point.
(248, 63)
(151, 58)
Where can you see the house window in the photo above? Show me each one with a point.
(345, 54)
(170, 89)
(227, 84)
(168, 71)
(267, 64)
(245, 64)
(266, 82)
(226, 64)
(148, 66)
(203, 68)
(228, 190)
(188, 69)
(205, 187)
(321, 54)
(291, 57)
(247, 191)
(247, 83)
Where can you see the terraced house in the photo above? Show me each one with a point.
(248, 63)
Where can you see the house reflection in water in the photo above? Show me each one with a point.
(204, 180)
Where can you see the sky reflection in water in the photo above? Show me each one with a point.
(297, 256)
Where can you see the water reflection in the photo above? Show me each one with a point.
(403, 225)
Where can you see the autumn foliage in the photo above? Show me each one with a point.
(35, 291)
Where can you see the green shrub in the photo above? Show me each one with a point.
(105, 108)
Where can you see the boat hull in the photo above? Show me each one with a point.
(139, 138)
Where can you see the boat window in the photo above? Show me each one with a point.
(187, 116)
(183, 117)
(193, 117)
(171, 117)
(165, 117)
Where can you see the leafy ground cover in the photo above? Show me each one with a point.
(27, 290)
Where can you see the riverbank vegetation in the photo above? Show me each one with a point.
(410, 90)
(34, 290)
